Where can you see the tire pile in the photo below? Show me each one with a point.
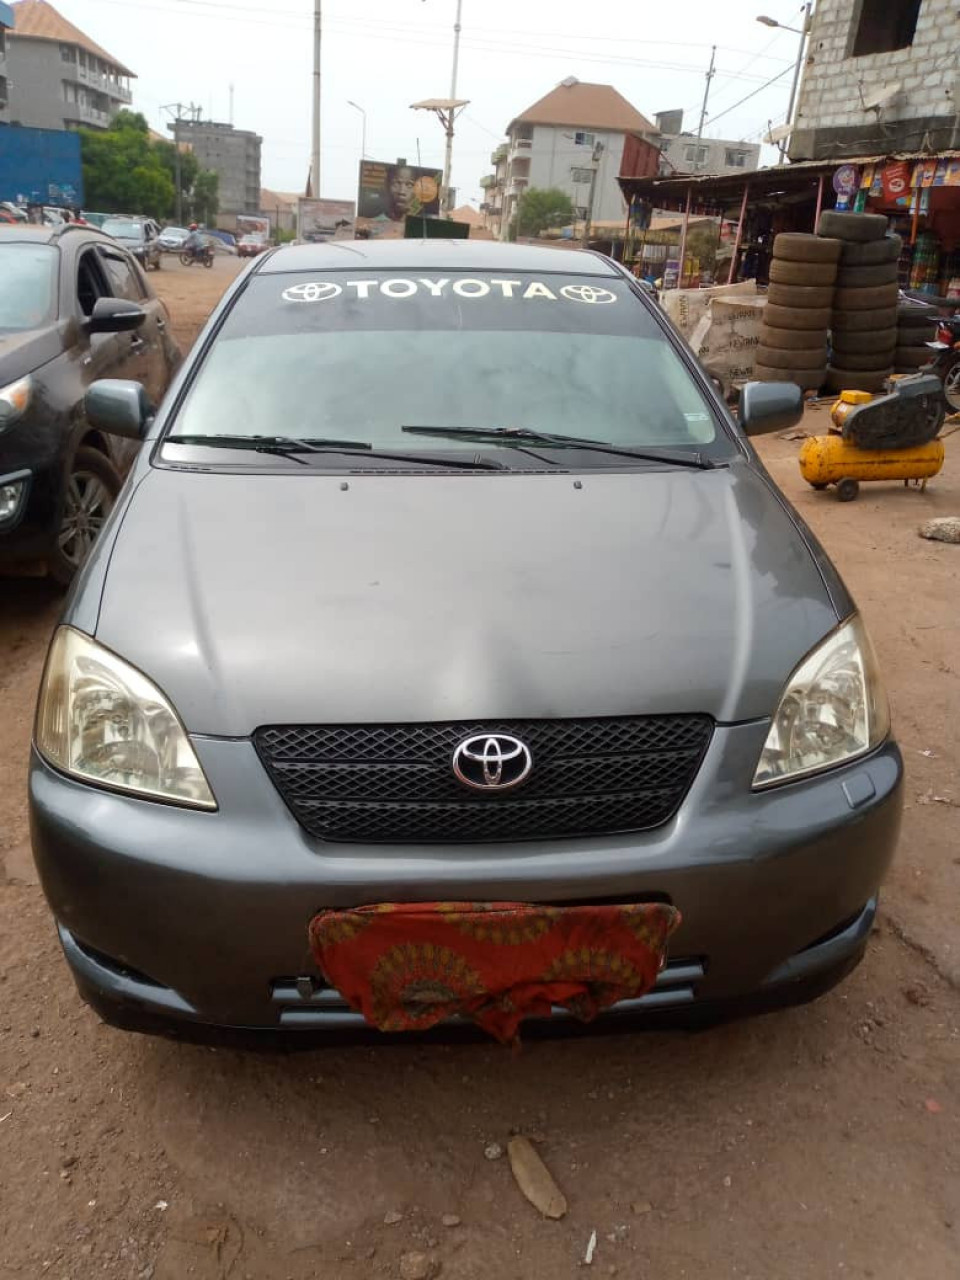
(793, 337)
(916, 326)
(864, 321)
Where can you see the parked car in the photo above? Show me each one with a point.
(350, 639)
(74, 307)
(12, 212)
(140, 236)
(171, 239)
(226, 241)
(250, 245)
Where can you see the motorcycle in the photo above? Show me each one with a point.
(945, 348)
(200, 257)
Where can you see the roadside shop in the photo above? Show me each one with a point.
(920, 193)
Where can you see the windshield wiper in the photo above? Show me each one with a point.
(291, 447)
(508, 434)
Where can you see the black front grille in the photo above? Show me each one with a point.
(395, 783)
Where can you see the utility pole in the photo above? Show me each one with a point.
(448, 152)
(176, 110)
(804, 29)
(231, 105)
(597, 156)
(315, 147)
(703, 109)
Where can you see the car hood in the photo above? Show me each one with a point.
(281, 598)
(21, 353)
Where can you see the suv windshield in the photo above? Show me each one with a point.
(122, 229)
(360, 355)
(28, 274)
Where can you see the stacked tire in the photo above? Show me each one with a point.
(916, 326)
(793, 336)
(863, 326)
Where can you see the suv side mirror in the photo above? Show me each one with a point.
(770, 406)
(118, 407)
(115, 315)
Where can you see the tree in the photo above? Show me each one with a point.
(205, 197)
(122, 171)
(543, 207)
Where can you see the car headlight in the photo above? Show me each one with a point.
(833, 709)
(101, 720)
(14, 400)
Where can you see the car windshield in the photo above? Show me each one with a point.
(361, 355)
(174, 231)
(28, 273)
(121, 229)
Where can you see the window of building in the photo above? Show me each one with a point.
(735, 159)
(695, 155)
(68, 53)
(884, 25)
(583, 139)
(69, 91)
(3, 91)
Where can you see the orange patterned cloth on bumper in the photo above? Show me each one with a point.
(408, 966)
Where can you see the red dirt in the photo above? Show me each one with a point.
(821, 1141)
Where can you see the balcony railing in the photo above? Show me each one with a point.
(520, 148)
(105, 84)
(87, 114)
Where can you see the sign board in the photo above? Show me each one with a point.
(581, 175)
(249, 225)
(393, 192)
(325, 219)
(6, 15)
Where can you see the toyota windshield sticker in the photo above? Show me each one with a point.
(402, 287)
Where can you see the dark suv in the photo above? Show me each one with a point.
(74, 307)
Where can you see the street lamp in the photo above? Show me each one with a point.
(447, 110)
(363, 135)
(802, 32)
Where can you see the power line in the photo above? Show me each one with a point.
(773, 80)
(403, 35)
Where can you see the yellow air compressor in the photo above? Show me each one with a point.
(826, 460)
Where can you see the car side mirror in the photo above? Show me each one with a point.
(770, 406)
(119, 407)
(115, 315)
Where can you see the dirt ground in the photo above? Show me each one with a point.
(818, 1142)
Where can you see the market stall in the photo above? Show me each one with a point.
(919, 192)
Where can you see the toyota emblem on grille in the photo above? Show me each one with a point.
(492, 761)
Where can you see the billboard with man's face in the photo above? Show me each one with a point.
(391, 192)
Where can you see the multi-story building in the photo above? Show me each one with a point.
(495, 189)
(54, 76)
(575, 131)
(6, 21)
(881, 76)
(686, 153)
(233, 155)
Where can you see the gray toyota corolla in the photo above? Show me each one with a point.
(444, 574)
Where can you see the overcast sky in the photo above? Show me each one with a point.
(385, 54)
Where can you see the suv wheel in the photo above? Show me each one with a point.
(90, 491)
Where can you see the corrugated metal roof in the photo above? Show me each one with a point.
(579, 105)
(38, 20)
(771, 176)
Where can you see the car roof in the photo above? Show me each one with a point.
(31, 233)
(27, 231)
(434, 255)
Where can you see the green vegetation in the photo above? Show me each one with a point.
(126, 171)
(543, 207)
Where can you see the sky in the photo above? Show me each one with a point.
(386, 54)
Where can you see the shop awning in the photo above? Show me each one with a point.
(780, 182)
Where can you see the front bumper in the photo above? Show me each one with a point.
(187, 917)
